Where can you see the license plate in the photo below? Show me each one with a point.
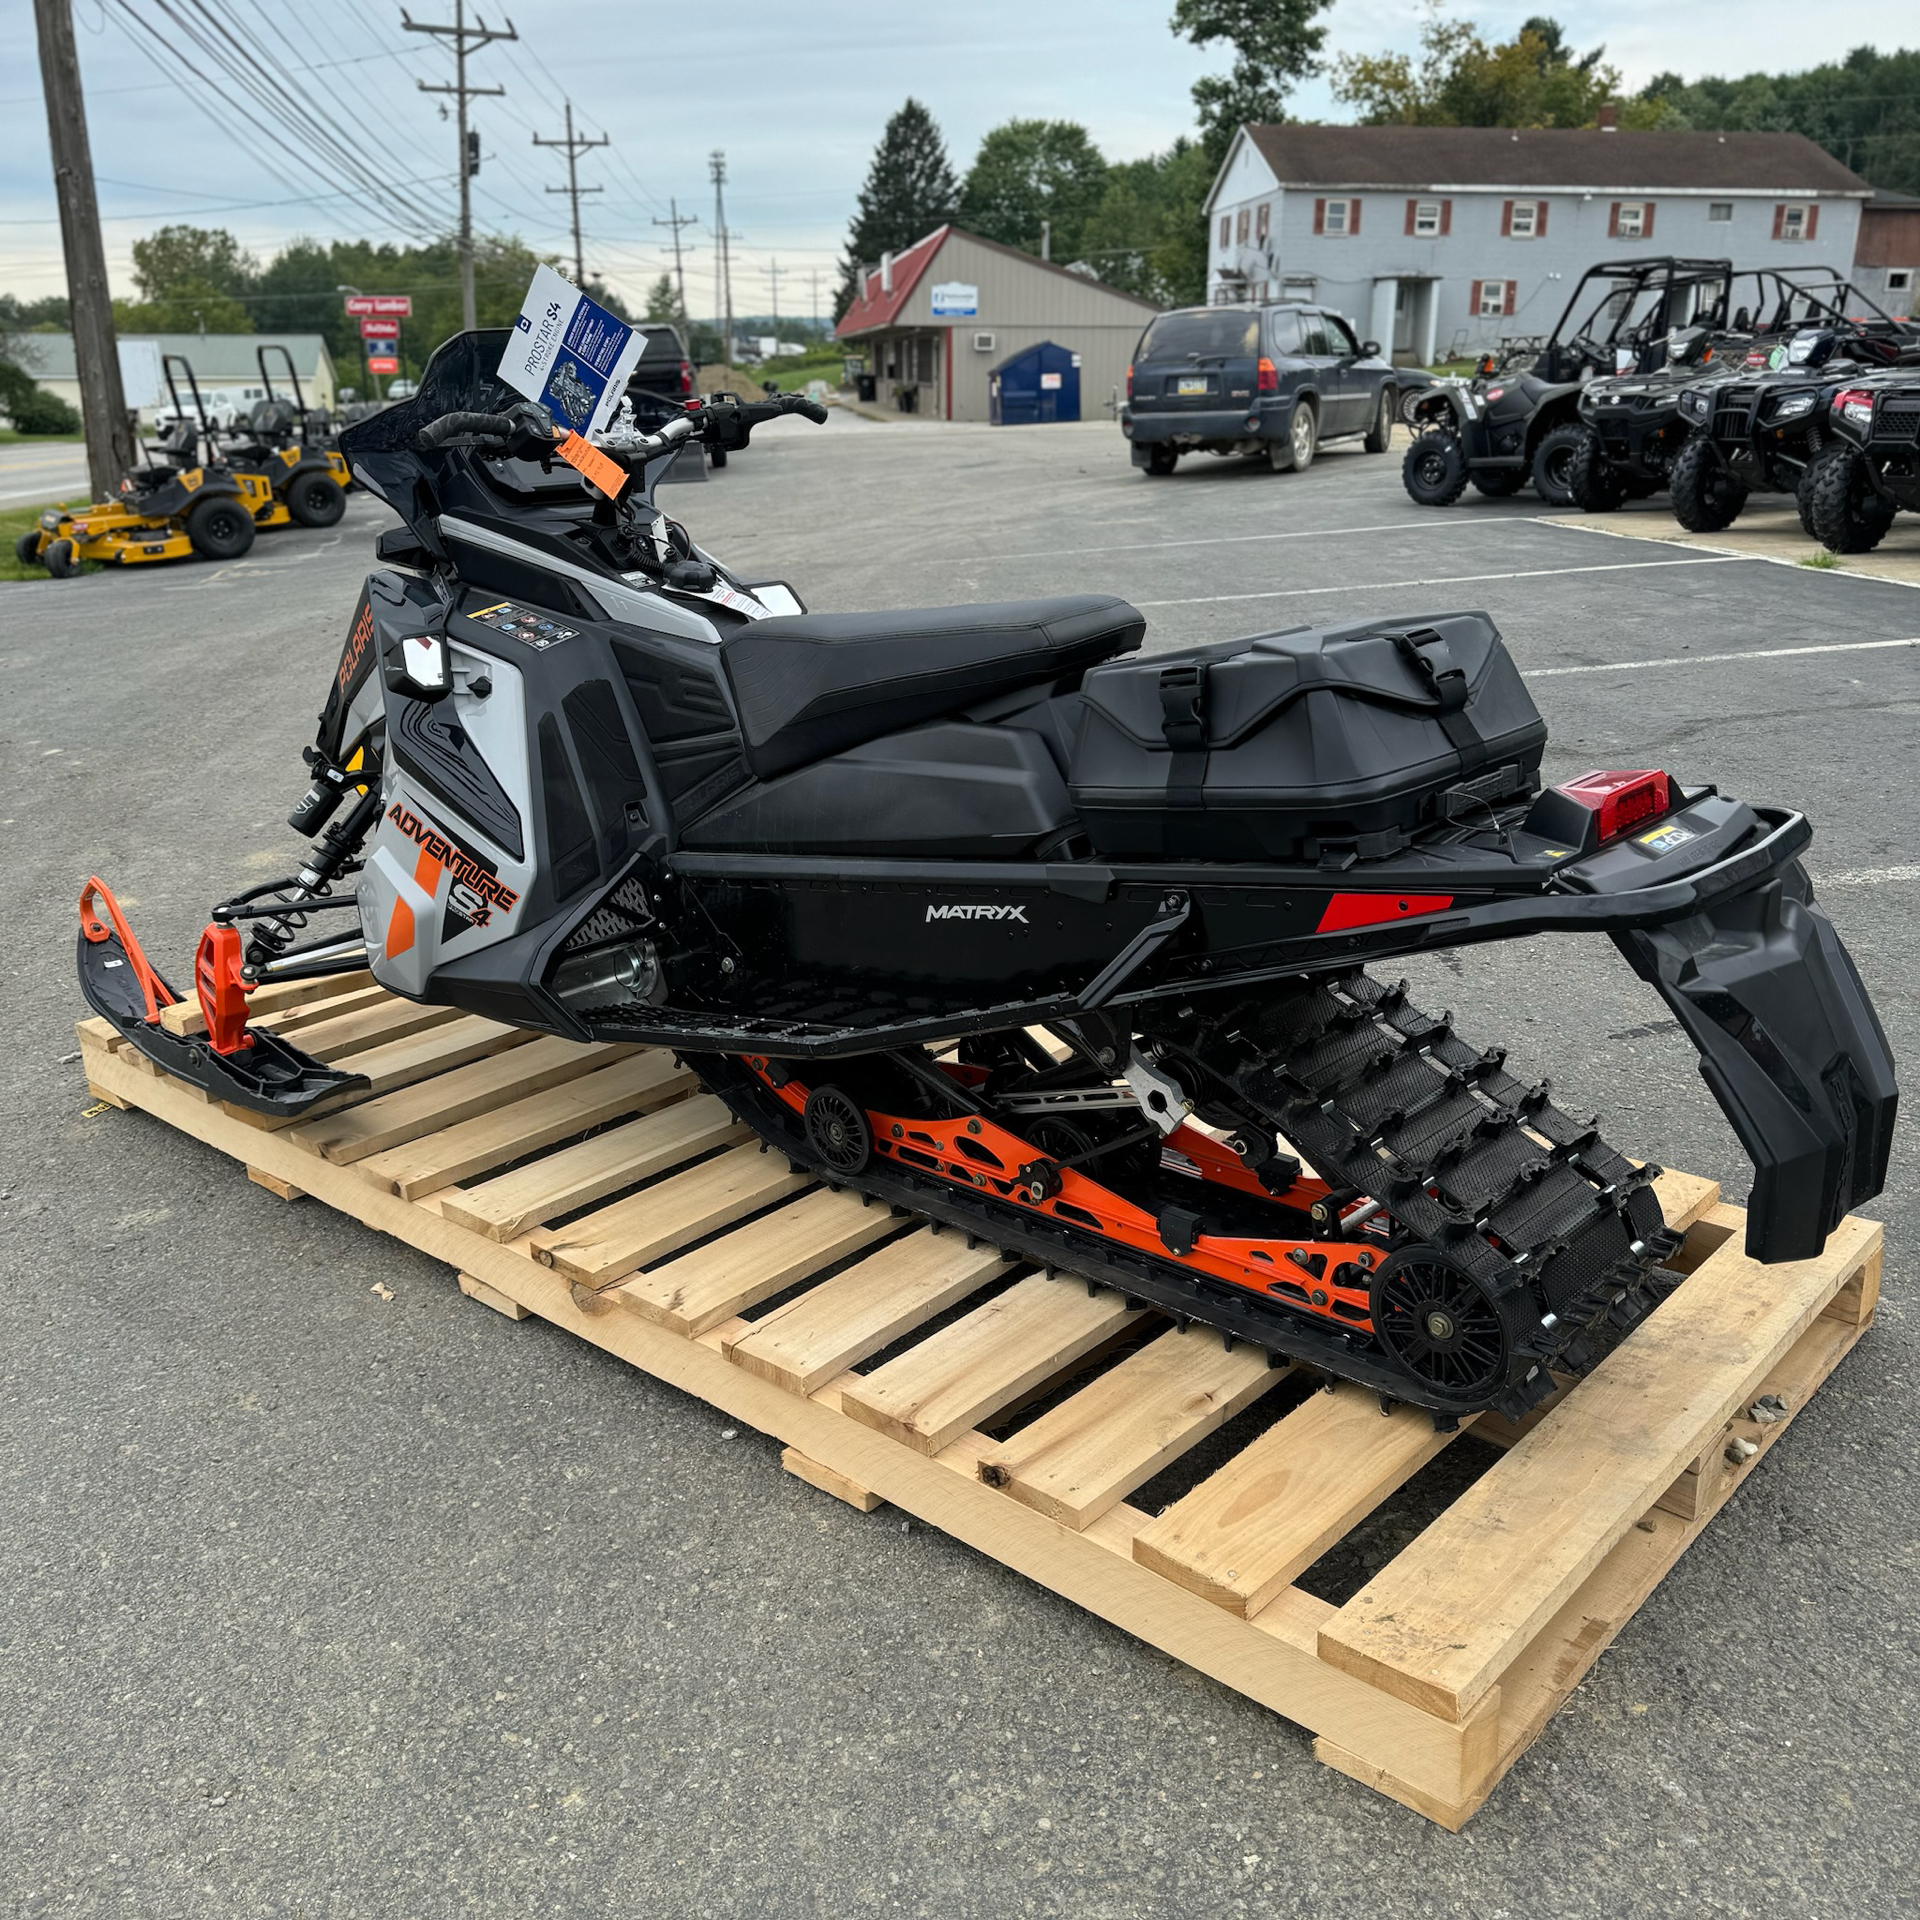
(1191, 383)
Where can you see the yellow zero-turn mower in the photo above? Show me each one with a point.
(249, 456)
(162, 512)
(291, 445)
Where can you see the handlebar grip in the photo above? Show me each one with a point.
(810, 410)
(489, 426)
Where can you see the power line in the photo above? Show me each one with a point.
(574, 145)
(465, 40)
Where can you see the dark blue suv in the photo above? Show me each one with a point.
(1275, 380)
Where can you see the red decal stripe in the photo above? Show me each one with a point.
(1346, 910)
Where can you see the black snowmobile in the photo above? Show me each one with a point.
(1518, 418)
(1870, 468)
(1761, 430)
(975, 911)
(1634, 427)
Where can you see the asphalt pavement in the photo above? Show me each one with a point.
(328, 1604)
(35, 471)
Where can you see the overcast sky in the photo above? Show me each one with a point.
(796, 94)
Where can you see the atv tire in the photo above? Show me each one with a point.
(1553, 465)
(26, 549)
(1434, 472)
(1295, 453)
(1161, 461)
(316, 499)
(1845, 513)
(1706, 497)
(1380, 434)
(60, 559)
(1596, 482)
(1500, 483)
(219, 529)
(717, 456)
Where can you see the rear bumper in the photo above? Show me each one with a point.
(1791, 1049)
(1205, 428)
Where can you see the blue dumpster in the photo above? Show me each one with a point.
(1036, 385)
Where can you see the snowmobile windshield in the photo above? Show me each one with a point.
(1211, 333)
(462, 377)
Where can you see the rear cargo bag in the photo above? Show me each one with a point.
(1305, 745)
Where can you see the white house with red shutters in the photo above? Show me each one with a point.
(1438, 241)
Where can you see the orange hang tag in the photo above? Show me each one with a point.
(606, 474)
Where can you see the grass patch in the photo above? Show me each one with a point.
(8, 438)
(14, 521)
(792, 371)
(1824, 561)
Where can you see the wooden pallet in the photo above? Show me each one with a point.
(597, 1188)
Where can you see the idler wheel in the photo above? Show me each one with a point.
(837, 1130)
(1440, 1324)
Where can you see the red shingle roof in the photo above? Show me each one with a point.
(872, 308)
(1574, 157)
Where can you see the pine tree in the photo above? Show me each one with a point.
(663, 301)
(910, 190)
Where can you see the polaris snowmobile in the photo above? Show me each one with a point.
(974, 911)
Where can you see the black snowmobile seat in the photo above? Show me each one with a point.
(817, 683)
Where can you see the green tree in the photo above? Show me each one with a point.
(1276, 44)
(192, 305)
(1149, 233)
(663, 301)
(178, 256)
(1865, 110)
(909, 190)
(1034, 173)
(1461, 80)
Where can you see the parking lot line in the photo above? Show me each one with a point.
(1868, 877)
(1723, 659)
(1447, 580)
(1302, 533)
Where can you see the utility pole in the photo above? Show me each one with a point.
(774, 271)
(815, 275)
(465, 40)
(678, 221)
(96, 350)
(723, 266)
(575, 147)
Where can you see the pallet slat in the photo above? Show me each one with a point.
(1244, 1532)
(715, 1283)
(1115, 1434)
(601, 1246)
(399, 1063)
(479, 1142)
(810, 1340)
(1441, 1621)
(336, 1039)
(577, 1176)
(277, 996)
(969, 1371)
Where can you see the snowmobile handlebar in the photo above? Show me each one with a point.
(481, 426)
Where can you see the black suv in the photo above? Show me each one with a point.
(662, 380)
(1275, 380)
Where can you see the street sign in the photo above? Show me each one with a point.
(382, 363)
(398, 304)
(379, 329)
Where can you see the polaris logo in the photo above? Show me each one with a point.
(978, 913)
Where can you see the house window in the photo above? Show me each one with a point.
(1337, 217)
(1300, 289)
(1526, 221)
(1899, 279)
(1426, 218)
(1720, 210)
(1240, 226)
(1226, 231)
(1262, 218)
(1493, 298)
(1793, 221)
(1632, 219)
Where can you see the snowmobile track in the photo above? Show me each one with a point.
(599, 1189)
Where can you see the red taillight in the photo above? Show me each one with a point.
(1269, 380)
(1129, 383)
(686, 376)
(1618, 801)
(1856, 404)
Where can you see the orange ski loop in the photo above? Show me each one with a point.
(95, 929)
